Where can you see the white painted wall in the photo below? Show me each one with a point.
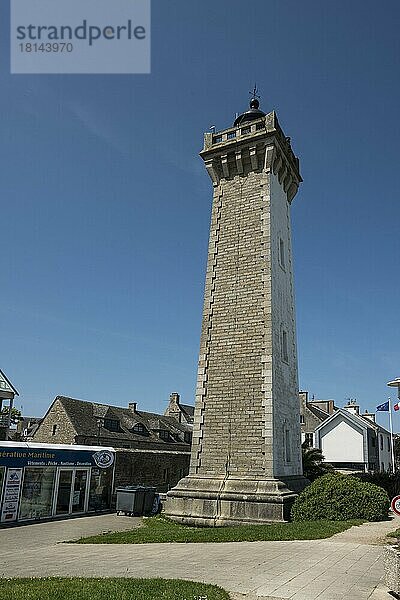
(341, 442)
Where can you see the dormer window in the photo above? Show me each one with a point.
(140, 429)
(165, 435)
(111, 424)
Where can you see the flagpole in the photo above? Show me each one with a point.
(391, 433)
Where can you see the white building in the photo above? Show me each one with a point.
(354, 442)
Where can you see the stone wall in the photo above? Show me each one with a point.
(64, 432)
(247, 406)
(310, 421)
(228, 433)
(158, 468)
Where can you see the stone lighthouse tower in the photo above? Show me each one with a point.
(246, 453)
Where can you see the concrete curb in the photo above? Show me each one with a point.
(381, 592)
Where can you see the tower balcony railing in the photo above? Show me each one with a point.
(235, 133)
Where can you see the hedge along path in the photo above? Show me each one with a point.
(339, 497)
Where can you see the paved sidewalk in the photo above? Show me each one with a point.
(335, 569)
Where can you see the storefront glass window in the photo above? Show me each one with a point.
(78, 498)
(64, 492)
(100, 489)
(37, 492)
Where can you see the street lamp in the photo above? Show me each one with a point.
(396, 384)
(100, 423)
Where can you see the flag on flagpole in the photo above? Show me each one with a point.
(383, 407)
(396, 406)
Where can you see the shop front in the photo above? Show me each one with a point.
(43, 481)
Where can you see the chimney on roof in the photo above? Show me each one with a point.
(132, 406)
(174, 398)
(369, 416)
(352, 407)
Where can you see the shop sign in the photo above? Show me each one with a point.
(48, 457)
(11, 495)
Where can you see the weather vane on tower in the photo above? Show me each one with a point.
(254, 94)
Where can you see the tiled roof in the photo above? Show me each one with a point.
(188, 411)
(85, 416)
(317, 412)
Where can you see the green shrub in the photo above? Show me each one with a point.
(390, 482)
(339, 497)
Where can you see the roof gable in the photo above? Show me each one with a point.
(6, 385)
(342, 414)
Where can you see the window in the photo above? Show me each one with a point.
(373, 442)
(111, 424)
(288, 457)
(284, 346)
(140, 428)
(217, 139)
(231, 134)
(100, 489)
(165, 435)
(309, 440)
(245, 130)
(282, 253)
(381, 441)
(302, 420)
(54, 429)
(388, 444)
(259, 126)
(187, 436)
(37, 493)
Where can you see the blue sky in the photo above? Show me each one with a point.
(105, 203)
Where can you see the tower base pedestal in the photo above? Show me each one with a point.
(213, 502)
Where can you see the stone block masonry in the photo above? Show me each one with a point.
(246, 455)
(158, 468)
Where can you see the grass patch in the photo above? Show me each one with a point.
(78, 588)
(394, 534)
(160, 529)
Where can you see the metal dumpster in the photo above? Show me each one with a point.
(130, 500)
(135, 500)
(149, 496)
